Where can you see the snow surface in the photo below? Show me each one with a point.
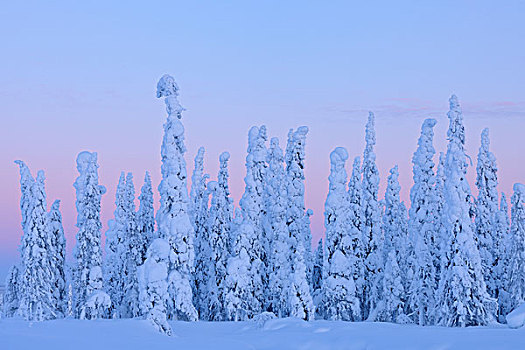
(516, 318)
(273, 334)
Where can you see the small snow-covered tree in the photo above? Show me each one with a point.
(301, 303)
(198, 186)
(317, 278)
(36, 299)
(275, 198)
(423, 230)
(486, 209)
(395, 252)
(11, 297)
(462, 296)
(340, 301)
(87, 271)
(502, 243)
(219, 226)
(153, 278)
(57, 255)
(145, 217)
(516, 273)
(371, 224)
(173, 220)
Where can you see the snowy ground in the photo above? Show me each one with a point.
(275, 334)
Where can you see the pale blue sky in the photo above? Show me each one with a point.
(81, 75)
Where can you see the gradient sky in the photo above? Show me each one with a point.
(82, 76)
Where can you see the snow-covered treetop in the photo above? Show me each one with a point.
(224, 157)
(370, 134)
(485, 141)
(56, 205)
(456, 128)
(168, 88)
(519, 189)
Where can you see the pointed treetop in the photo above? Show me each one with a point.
(485, 142)
(168, 88)
(370, 135)
(456, 130)
(147, 178)
(454, 103)
(519, 189)
(40, 176)
(56, 205)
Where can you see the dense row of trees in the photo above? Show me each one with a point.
(451, 260)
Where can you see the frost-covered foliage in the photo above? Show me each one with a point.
(395, 275)
(253, 212)
(516, 273)
(371, 224)
(354, 229)
(298, 219)
(462, 296)
(87, 271)
(199, 197)
(173, 220)
(340, 301)
(300, 299)
(424, 230)
(317, 277)
(275, 198)
(486, 210)
(219, 226)
(98, 305)
(145, 217)
(57, 255)
(36, 299)
(153, 281)
(11, 297)
(502, 243)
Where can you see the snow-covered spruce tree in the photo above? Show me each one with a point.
(57, 255)
(395, 252)
(354, 229)
(253, 212)
(462, 295)
(516, 273)
(340, 301)
(371, 225)
(502, 245)
(133, 257)
(36, 299)
(26, 202)
(317, 279)
(219, 226)
(275, 199)
(301, 303)
(145, 217)
(153, 281)
(173, 220)
(11, 298)
(486, 209)
(241, 302)
(116, 248)
(199, 198)
(87, 271)
(298, 220)
(423, 230)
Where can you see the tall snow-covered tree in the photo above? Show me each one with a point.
(502, 245)
(87, 271)
(423, 230)
(57, 256)
(340, 301)
(199, 197)
(133, 256)
(462, 296)
(153, 278)
(395, 252)
(298, 219)
(486, 210)
(253, 212)
(301, 303)
(371, 224)
(279, 264)
(219, 226)
(36, 299)
(516, 273)
(11, 297)
(173, 220)
(145, 217)
(116, 249)
(317, 278)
